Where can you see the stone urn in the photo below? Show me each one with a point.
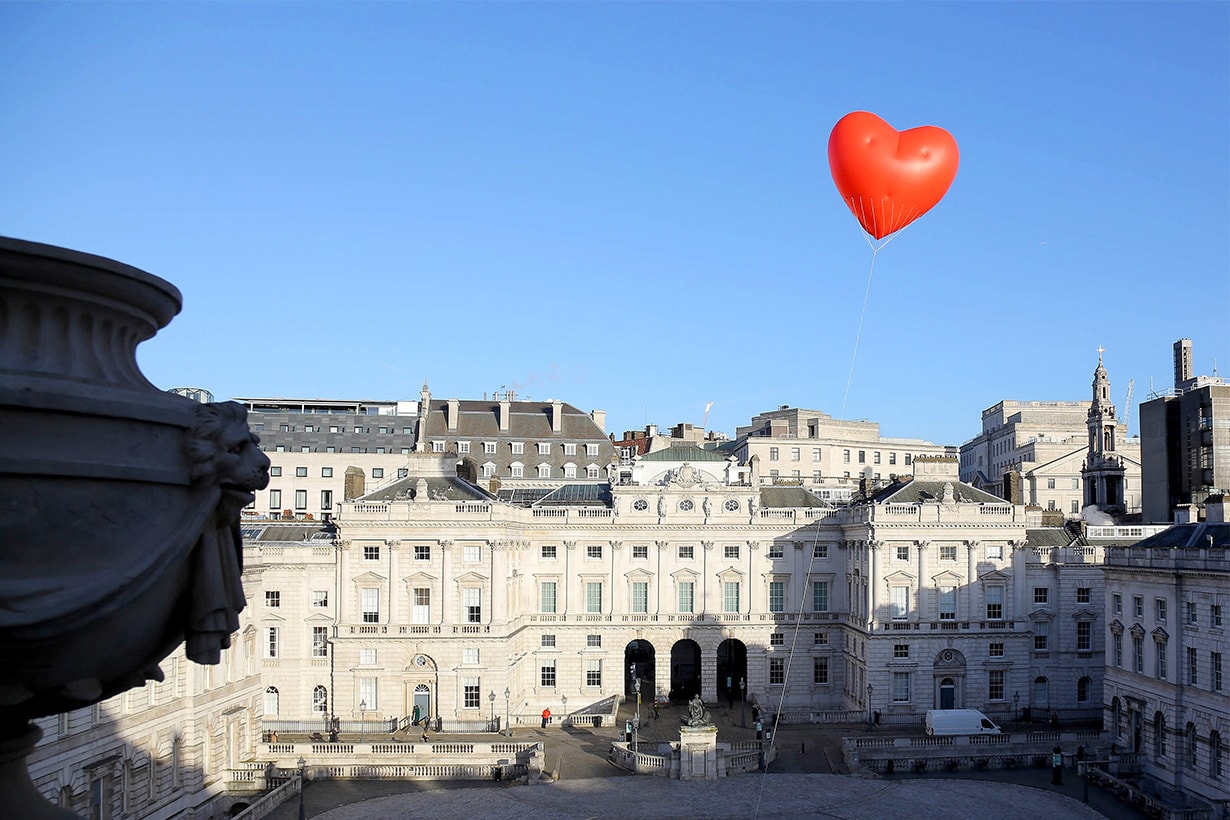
(119, 502)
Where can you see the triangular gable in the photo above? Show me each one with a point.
(470, 578)
(947, 578)
(368, 577)
(900, 576)
(419, 577)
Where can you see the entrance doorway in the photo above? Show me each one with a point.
(639, 663)
(422, 703)
(948, 694)
(685, 670)
(731, 669)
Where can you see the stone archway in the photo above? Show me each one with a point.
(639, 664)
(685, 670)
(731, 669)
(948, 672)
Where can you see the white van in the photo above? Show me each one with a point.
(959, 722)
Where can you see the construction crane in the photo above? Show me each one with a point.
(1125, 411)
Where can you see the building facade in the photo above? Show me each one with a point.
(1165, 697)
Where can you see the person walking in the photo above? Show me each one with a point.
(546, 717)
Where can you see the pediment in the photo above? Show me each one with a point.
(470, 578)
(947, 578)
(1160, 634)
(1085, 614)
(1116, 627)
(1137, 631)
(638, 574)
(1042, 615)
(731, 574)
(900, 577)
(420, 577)
(317, 618)
(368, 578)
(269, 617)
(685, 575)
(994, 575)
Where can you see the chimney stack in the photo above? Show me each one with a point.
(505, 413)
(557, 416)
(453, 411)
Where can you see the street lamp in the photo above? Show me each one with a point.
(362, 718)
(302, 810)
(507, 725)
(491, 699)
(870, 689)
(1016, 706)
(743, 702)
(564, 720)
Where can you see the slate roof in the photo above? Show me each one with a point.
(915, 491)
(1189, 535)
(789, 497)
(684, 452)
(448, 488)
(1050, 537)
(296, 532)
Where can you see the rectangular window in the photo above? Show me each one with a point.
(1138, 654)
(820, 638)
(686, 551)
(901, 650)
(1215, 671)
(995, 684)
(1042, 636)
(472, 552)
(686, 592)
(815, 454)
(420, 610)
(367, 657)
(489, 448)
(326, 499)
(901, 687)
(472, 600)
(594, 641)
(777, 596)
(892, 458)
(777, 639)
(547, 641)
(995, 551)
(300, 499)
(593, 550)
(948, 603)
(1116, 602)
(876, 457)
(1041, 595)
(275, 499)
(820, 671)
(371, 552)
(900, 603)
(948, 552)
(1050, 483)
(471, 693)
(593, 596)
(570, 449)
(275, 472)
(437, 446)
(273, 599)
(516, 470)
(547, 674)
(819, 596)
(862, 456)
(730, 596)
(370, 603)
(547, 595)
(1138, 606)
(1084, 636)
(367, 694)
(640, 552)
(1193, 667)
(845, 456)
(422, 552)
(1160, 609)
(549, 551)
(272, 641)
(320, 642)
(320, 598)
(997, 650)
(1118, 649)
(591, 449)
(995, 603)
(301, 472)
(776, 550)
(377, 472)
(593, 672)
(469, 655)
(1192, 618)
(820, 551)
(777, 671)
(463, 448)
(773, 454)
(640, 596)
(903, 552)
(518, 448)
(1161, 659)
(796, 454)
(731, 550)
(1215, 614)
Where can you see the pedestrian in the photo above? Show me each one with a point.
(425, 739)
(273, 737)
(546, 717)
(333, 735)
(655, 708)
(755, 713)
(416, 714)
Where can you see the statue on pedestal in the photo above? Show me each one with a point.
(698, 715)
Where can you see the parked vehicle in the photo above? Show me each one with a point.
(959, 722)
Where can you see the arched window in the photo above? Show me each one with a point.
(1190, 751)
(1159, 735)
(1215, 754)
(544, 470)
(320, 700)
(271, 700)
(1082, 690)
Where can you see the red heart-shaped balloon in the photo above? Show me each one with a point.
(887, 177)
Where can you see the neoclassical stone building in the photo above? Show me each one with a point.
(433, 593)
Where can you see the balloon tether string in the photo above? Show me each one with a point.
(875, 249)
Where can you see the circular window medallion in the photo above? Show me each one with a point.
(420, 660)
(948, 655)
(640, 505)
(731, 505)
(686, 505)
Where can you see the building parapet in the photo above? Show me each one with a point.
(1197, 559)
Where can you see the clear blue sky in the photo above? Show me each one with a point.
(628, 206)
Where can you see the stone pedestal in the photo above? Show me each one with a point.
(698, 753)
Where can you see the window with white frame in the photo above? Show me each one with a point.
(995, 684)
(686, 596)
(1042, 636)
(1215, 671)
(273, 599)
(546, 673)
(948, 552)
(593, 550)
(1117, 641)
(1215, 615)
(1116, 603)
(1084, 595)
(489, 448)
(820, 671)
(472, 552)
(544, 448)
(795, 454)
(422, 552)
(472, 601)
(686, 551)
(516, 470)
(371, 552)
(300, 499)
(1138, 654)
(995, 551)
(377, 472)
(420, 605)
(1138, 606)
(1192, 618)
(901, 687)
(593, 672)
(271, 700)
(546, 591)
(1160, 609)
(593, 641)
(320, 598)
(273, 642)
(776, 550)
(777, 671)
(368, 694)
(903, 552)
(470, 655)
(1193, 666)
(820, 638)
(819, 596)
(544, 470)
(995, 602)
(900, 596)
(948, 602)
(730, 551)
(730, 596)
(489, 469)
(369, 598)
(777, 596)
(518, 448)
(320, 642)
(437, 446)
(320, 700)
(996, 650)
(640, 552)
(901, 650)
(593, 596)
(1084, 636)
(463, 448)
(820, 551)
(547, 641)
(570, 449)
(591, 471)
(549, 551)
(640, 596)
(471, 693)
(1160, 646)
(570, 470)
(591, 449)
(1041, 595)
(777, 639)
(275, 499)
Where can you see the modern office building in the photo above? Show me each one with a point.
(1186, 440)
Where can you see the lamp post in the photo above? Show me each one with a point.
(636, 687)
(743, 702)
(302, 810)
(1016, 706)
(362, 718)
(870, 689)
(507, 725)
(564, 720)
(491, 700)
